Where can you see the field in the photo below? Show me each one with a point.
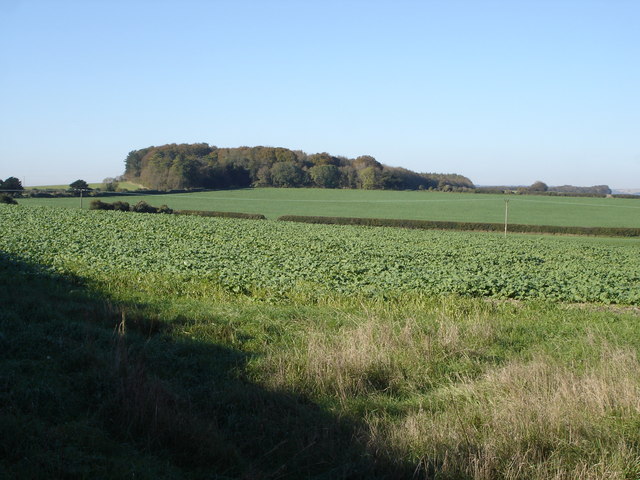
(158, 346)
(463, 207)
(283, 258)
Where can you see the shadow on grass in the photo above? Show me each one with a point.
(88, 390)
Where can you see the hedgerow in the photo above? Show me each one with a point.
(464, 226)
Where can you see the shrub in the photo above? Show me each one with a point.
(208, 213)
(143, 207)
(100, 205)
(121, 206)
(164, 209)
(469, 226)
(8, 199)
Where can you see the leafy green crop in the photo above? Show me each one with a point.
(245, 256)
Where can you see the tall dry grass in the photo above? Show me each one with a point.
(374, 354)
(537, 419)
(460, 413)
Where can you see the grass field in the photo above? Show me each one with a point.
(120, 357)
(537, 210)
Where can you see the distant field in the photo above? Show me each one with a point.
(525, 209)
(127, 185)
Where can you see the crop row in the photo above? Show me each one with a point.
(244, 256)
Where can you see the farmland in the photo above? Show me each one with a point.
(282, 257)
(419, 205)
(161, 346)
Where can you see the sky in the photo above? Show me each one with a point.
(505, 92)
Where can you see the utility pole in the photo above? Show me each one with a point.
(81, 190)
(506, 216)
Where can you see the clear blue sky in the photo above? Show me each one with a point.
(504, 92)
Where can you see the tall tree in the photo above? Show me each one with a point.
(325, 176)
(79, 185)
(287, 174)
(12, 183)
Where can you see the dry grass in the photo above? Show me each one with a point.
(529, 420)
(375, 354)
(544, 415)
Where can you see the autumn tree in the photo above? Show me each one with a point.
(325, 176)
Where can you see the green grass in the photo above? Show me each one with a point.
(525, 209)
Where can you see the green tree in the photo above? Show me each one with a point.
(325, 176)
(12, 183)
(370, 178)
(365, 161)
(323, 159)
(79, 185)
(538, 187)
(287, 174)
(110, 184)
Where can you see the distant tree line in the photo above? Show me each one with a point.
(596, 189)
(174, 167)
(541, 188)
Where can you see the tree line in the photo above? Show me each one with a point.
(174, 167)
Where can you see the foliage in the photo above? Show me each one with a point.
(110, 184)
(165, 209)
(325, 176)
(121, 206)
(8, 199)
(287, 174)
(538, 187)
(100, 205)
(143, 207)
(209, 213)
(11, 183)
(282, 257)
(79, 185)
(596, 189)
(464, 226)
(171, 167)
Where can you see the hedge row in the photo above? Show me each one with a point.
(466, 226)
(140, 207)
(206, 213)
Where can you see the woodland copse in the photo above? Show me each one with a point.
(173, 166)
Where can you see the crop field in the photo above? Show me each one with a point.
(161, 346)
(280, 257)
(419, 205)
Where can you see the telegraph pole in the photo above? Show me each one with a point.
(81, 190)
(506, 216)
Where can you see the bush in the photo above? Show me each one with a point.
(143, 207)
(100, 205)
(466, 226)
(207, 213)
(164, 209)
(121, 206)
(8, 199)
